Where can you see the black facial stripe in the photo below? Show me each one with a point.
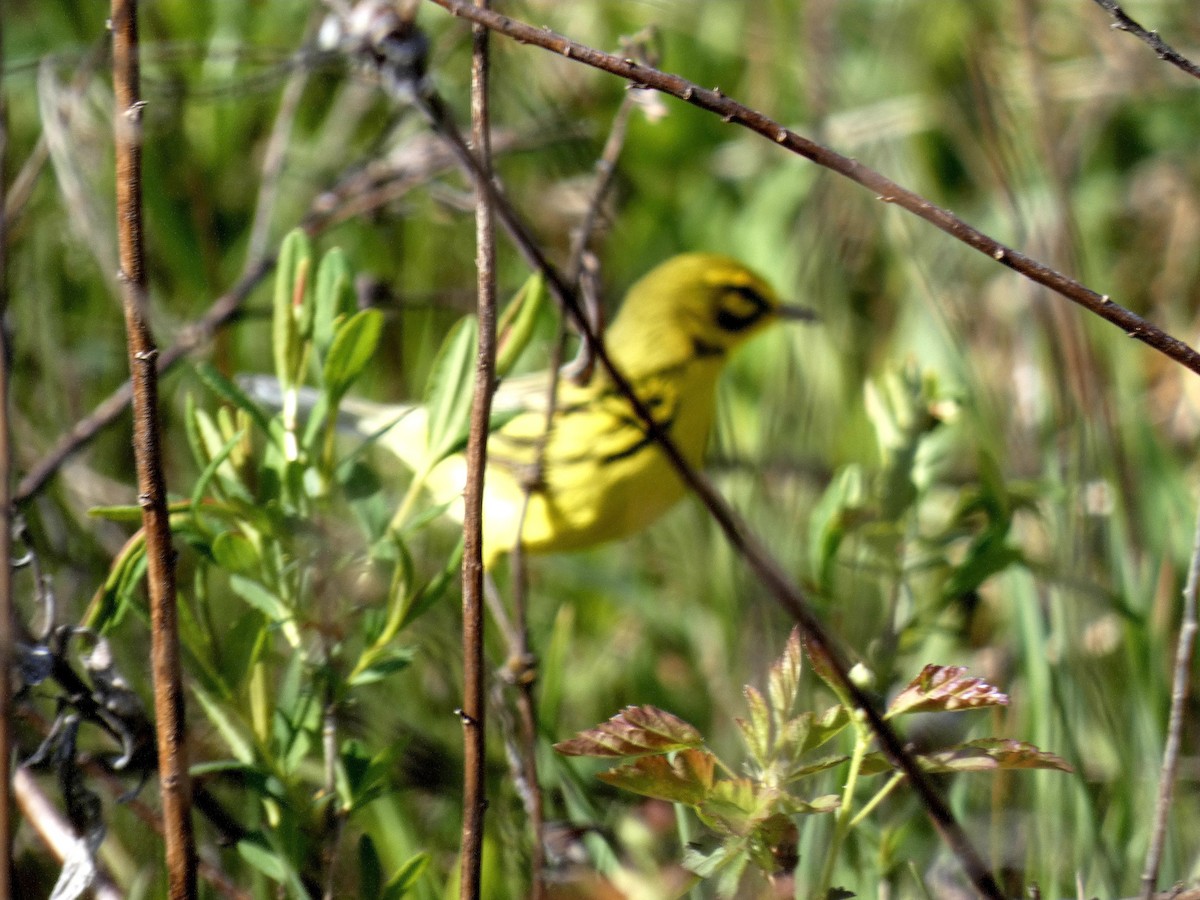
(739, 321)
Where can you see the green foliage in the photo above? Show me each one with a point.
(957, 466)
(752, 815)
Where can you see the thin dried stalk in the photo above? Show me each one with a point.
(152, 492)
(474, 695)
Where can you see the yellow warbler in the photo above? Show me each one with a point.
(601, 475)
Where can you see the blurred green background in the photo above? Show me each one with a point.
(1067, 446)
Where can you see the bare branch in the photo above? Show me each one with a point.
(1160, 47)
(474, 694)
(747, 545)
(887, 190)
(1179, 697)
(174, 780)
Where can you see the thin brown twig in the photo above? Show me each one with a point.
(1179, 697)
(1161, 48)
(520, 669)
(753, 553)
(474, 695)
(170, 729)
(886, 190)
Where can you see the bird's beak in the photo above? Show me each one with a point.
(797, 313)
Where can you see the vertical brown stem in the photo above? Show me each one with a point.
(1175, 725)
(474, 700)
(152, 494)
(6, 605)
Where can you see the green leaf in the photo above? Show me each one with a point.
(258, 851)
(292, 307)
(783, 681)
(235, 552)
(729, 857)
(519, 323)
(353, 346)
(241, 648)
(406, 877)
(237, 739)
(263, 858)
(993, 753)
(225, 475)
(232, 394)
(687, 778)
(634, 731)
(448, 393)
(945, 689)
(384, 663)
(260, 598)
(735, 806)
(756, 731)
(807, 731)
(840, 509)
(370, 869)
(333, 298)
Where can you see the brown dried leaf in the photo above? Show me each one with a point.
(945, 689)
(634, 731)
(983, 755)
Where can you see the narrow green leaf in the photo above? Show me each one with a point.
(333, 297)
(232, 394)
(519, 323)
(783, 681)
(353, 346)
(448, 393)
(406, 877)
(756, 731)
(291, 289)
(260, 598)
(370, 869)
(236, 738)
(384, 663)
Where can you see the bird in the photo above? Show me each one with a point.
(593, 473)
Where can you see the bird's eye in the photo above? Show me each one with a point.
(740, 307)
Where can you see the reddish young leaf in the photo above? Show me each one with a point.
(945, 689)
(783, 681)
(634, 731)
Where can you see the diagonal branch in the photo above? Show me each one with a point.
(887, 190)
(1162, 49)
(752, 551)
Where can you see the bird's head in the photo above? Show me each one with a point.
(694, 305)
